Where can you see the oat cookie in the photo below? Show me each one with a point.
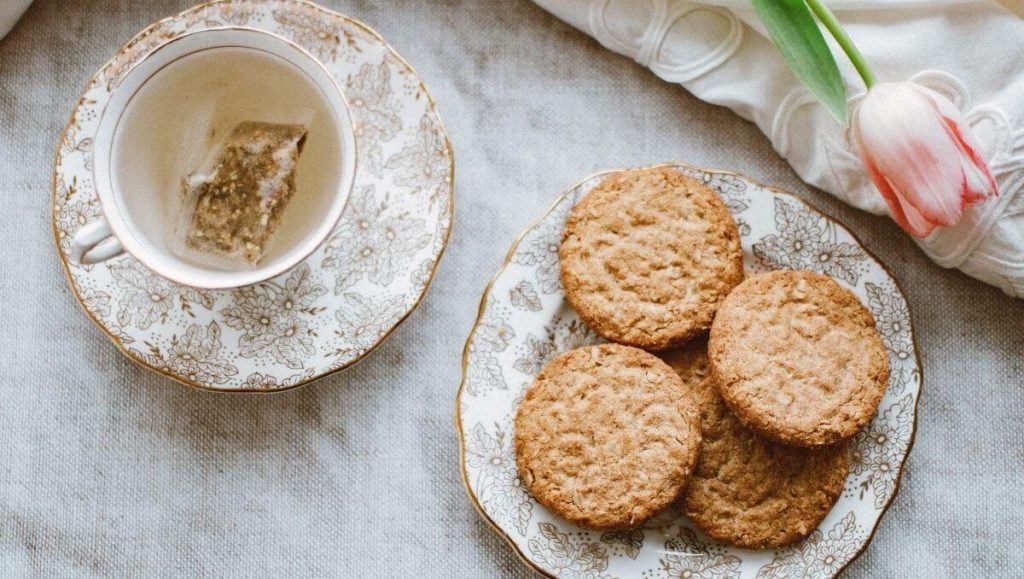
(747, 490)
(797, 358)
(647, 257)
(606, 436)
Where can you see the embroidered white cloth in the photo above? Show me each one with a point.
(969, 50)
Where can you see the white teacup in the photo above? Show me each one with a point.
(163, 118)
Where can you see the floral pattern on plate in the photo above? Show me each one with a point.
(525, 321)
(342, 301)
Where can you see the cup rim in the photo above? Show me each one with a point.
(215, 280)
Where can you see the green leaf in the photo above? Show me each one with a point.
(795, 32)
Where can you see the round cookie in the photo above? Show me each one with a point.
(647, 257)
(747, 490)
(606, 436)
(797, 358)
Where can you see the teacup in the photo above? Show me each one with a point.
(162, 119)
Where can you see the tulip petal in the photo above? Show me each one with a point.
(980, 183)
(905, 215)
(921, 156)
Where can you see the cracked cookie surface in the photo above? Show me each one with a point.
(648, 255)
(797, 358)
(606, 437)
(747, 490)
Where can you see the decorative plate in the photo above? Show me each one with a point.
(340, 303)
(524, 321)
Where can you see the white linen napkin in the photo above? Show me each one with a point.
(969, 50)
(10, 13)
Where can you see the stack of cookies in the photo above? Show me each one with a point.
(743, 416)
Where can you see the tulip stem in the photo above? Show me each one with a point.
(844, 41)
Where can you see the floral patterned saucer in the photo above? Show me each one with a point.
(340, 303)
(524, 321)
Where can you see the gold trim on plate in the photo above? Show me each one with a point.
(508, 259)
(183, 14)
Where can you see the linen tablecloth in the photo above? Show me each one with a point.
(110, 470)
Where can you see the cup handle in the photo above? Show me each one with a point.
(95, 242)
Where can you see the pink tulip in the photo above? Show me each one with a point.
(921, 155)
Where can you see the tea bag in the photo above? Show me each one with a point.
(235, 208)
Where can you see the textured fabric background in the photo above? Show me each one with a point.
(107, 469)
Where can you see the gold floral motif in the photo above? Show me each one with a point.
(818, 555)
(260, 381)
(374, 111)
(501, 488)
(372, 241)
(230, 13)
(423, 163)
(807, 240)
(306, 26)
(96, 302)
(569, 555)
(363, 321)
(270, 317)
(141, 45)
(71, 216)
(685, 556)
(492, 336)
(196, 355)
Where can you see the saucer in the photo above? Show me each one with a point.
(340, 303)
(525, 321)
